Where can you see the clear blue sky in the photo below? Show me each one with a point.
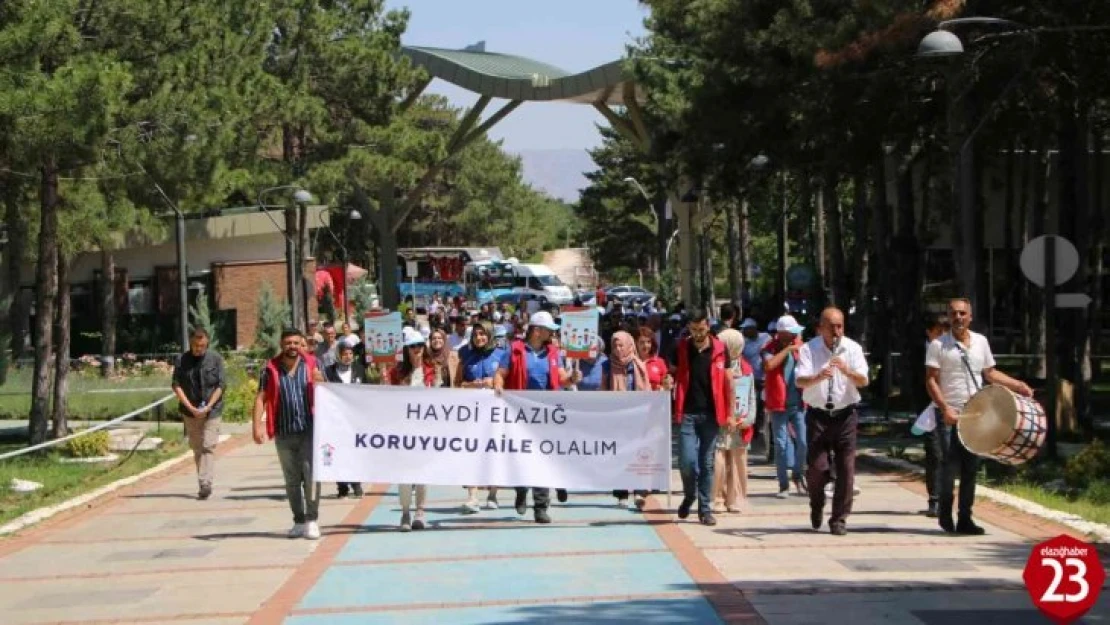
(574, 35)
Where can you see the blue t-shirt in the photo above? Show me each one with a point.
(793, 393)
(592, 373)
(539, 371)
(476, 365)
(629, 372)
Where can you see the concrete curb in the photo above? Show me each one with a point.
(41, 514)
(1089, 528)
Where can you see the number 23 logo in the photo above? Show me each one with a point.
(1079, 577)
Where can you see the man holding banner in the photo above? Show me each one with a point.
(534, 364)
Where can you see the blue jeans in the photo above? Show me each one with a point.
(789, 452)
(697, 447)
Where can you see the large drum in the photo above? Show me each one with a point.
(1002, 425)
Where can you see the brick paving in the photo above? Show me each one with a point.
(151, 553)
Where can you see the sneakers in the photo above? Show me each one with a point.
(684, 507)
(406, 522)
(491, 503)
(312, 531)
(542, 517)
(838, 529)
(521, 502)
(733, 509)
(297, 531)
(205, 492)
(471, 507)
(358, 491)
(418, 522)
(640, 502)
(622, 503)
(707, 519)
(783, 494)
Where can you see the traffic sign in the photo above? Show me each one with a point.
(1073, 300)
(1064, 577)
(1033, 257)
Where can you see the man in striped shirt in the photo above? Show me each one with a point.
(283, 412)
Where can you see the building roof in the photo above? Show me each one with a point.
(518, 78)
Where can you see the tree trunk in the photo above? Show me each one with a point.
(1082, 219)
(1026, 303)
(302, 263)
(835, 248)
(880, 339)
(860, 255)
(46, 288)
(745, 248)
(819, 251)
(1007, 240)
(735, 255)
(61, 349)
(108, 311)
(14, 254)
(1041, 193)
(909, 288)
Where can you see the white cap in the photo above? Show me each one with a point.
(787, 323)
(411, 337)
(749, 323)
(543, 319)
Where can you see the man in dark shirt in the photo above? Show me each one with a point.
(703, 403)
(199, 383)
(285, 398)
(728, 319)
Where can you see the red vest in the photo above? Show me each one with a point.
(517, 379)
(774, 382)
(272, 394)
(656, 371)
(395, 378)
(719, 380)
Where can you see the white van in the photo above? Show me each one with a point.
(540, 281)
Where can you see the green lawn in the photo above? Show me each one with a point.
(1099, 513)
(89, 397)
(63, 481)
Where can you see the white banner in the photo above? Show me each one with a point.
(466, 437)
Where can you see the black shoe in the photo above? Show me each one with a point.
(542, 517)
(815, 518)
(684, 508)
(967, 527)
(561, 494)
(932, 511)
(707, 519)
(204, 493)
(946, 524)
(521, 502)
(838, 529)
(358, 492)
(341, 495)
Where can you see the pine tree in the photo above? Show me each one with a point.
(273, 316)
(201, 316)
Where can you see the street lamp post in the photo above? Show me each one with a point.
(300, 199)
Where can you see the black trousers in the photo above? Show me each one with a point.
(541, 497)
(953, 459)
(832, 447)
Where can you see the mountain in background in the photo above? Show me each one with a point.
(559, 173)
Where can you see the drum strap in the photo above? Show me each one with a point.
(967, 366)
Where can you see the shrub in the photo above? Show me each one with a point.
(88, 445)
(273, 316)
(242, 386)
(1098, 492)
(1091, 463)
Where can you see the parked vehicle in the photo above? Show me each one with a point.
(630, 295)
(541, 281)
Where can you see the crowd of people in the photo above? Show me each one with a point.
(725, 375)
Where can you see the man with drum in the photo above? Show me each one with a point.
(956, 364)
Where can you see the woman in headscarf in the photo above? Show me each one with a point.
(730, 479)
(442, 357)
(624, 371)
(477, 366)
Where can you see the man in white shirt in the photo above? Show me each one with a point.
(956, 365)
(831, 369)
(461, 334)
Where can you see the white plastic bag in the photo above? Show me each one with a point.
(926, 421)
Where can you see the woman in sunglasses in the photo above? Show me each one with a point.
(416, 371)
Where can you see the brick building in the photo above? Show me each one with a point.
(228, 259)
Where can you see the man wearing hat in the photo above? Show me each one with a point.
(783, 400)
(534, 364)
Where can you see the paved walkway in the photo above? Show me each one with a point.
(153, 554)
